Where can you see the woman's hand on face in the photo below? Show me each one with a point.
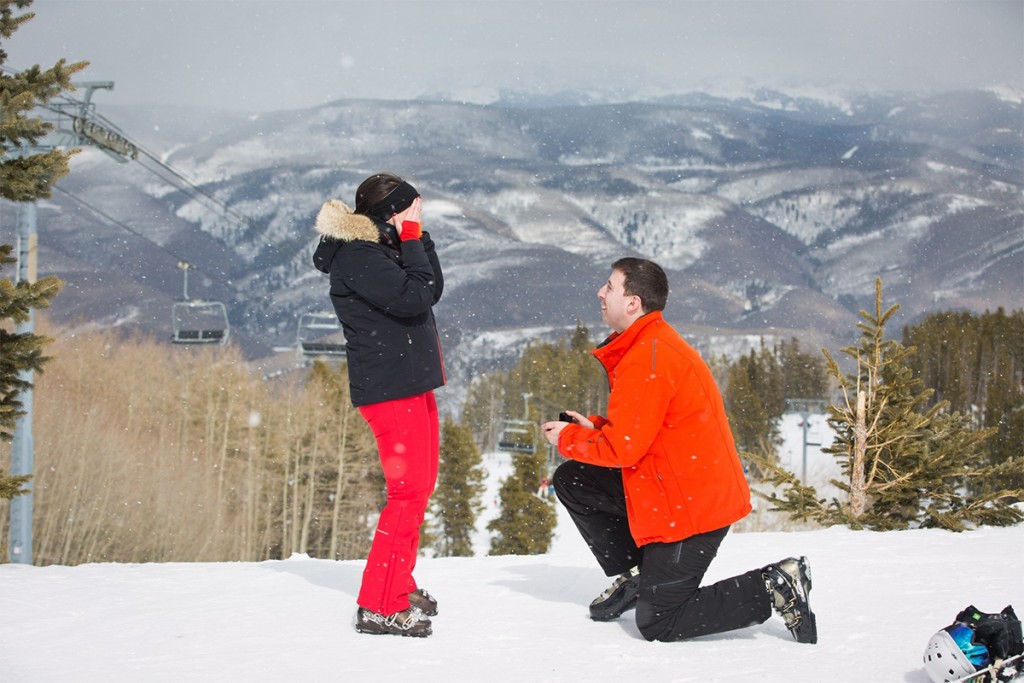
(413, 213)
(409, 222)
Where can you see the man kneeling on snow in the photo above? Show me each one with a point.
(654, 486)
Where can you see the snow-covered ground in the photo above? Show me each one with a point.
(878, 598)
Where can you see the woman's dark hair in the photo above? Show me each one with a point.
(644, 279)
(373, 190)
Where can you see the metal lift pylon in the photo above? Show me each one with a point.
(75, 124)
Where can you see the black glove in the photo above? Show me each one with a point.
(1000, 633)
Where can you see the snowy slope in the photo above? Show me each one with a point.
(878, 598)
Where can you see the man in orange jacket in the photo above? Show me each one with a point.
(654, 486)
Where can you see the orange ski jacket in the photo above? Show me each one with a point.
(666, 429)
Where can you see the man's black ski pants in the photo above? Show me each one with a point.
(672, 605)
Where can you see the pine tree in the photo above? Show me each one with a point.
(588, 391)
(20, 352)
(527, 521)
(753, 400)
(483, 408)
(456, 500)
(23, 178)
(976, 364)
(906, 465)
(558, 376)
(27, 178)
(803, 375)
(751, 424)
(547, 379)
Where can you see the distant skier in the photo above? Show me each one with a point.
(385, 279)
(654, 486)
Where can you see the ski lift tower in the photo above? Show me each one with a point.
(806, 407)
(75, 124)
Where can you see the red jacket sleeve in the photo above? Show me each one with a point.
(637, 407)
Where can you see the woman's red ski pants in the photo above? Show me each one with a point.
(408, 442)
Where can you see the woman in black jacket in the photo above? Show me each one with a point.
(385, 277)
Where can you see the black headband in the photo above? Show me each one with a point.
(396, 201)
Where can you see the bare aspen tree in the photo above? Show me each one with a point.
(307, 510)
(339, 484)
(147, 453)
(858, 486)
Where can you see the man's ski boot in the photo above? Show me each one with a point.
(618, 598)
(789, 583)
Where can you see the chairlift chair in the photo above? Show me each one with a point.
(519, 436)
(320, 334)
(198, 322)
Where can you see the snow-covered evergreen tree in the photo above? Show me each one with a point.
(527, 521)
(23, 178)
(906, 464)
(456, 500)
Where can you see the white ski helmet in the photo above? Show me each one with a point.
(952, 653)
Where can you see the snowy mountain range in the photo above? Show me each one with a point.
(773, 213)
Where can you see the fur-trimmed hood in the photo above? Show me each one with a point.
(337, 221)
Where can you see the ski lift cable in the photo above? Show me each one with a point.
(190, 184)
(249, 222)
(191, 187)
(127, 228)
(187, 313)
(60, 105)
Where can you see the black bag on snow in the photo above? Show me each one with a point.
(1000, 632)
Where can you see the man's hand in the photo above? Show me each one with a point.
(552, 430)
(580, 419)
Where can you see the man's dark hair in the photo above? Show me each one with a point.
(373, 190)
(646, 280)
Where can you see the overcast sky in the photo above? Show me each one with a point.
(258, 55)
